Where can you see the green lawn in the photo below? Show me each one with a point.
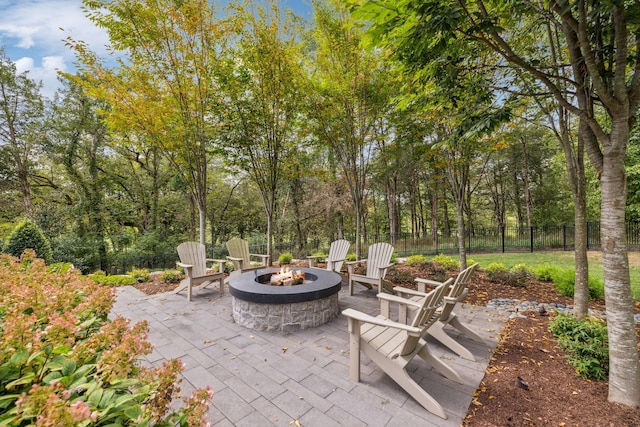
(563, 260)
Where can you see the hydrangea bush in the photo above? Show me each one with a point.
(64, 363)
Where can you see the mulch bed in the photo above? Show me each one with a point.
(555, 395)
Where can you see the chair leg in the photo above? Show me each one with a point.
(438, 364)
(437, 332)
(396, 370)
(456, 323)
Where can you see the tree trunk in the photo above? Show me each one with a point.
(624, 369)
(525, 177)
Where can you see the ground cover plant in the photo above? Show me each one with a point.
(63, 362)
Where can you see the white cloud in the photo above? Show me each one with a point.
(33, 33)
(46, 73)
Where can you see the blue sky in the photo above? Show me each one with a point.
(32, 33)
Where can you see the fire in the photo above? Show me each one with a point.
(287, 277)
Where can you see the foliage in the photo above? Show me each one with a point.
(82, 252)
(113, 280)
(564, 281)
(545, 272)
(415, 260)
(285, 258)
(449, 263)
(319, 254)
(172, 276)
(65, 363)
(27, 235)
(140, 275)
(498, 273)
(585, 342)
(394, 258)
(351, 256)
(60, 267)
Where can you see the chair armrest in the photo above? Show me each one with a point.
(264, 257)
(356, 262)
(384, 267)
(336, 260)
(427, 281)
(407, 291)
(315, 256)
(179, 264)
(397, 299)
(230, 258)
(362, 317)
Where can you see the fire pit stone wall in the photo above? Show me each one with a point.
(285, 317)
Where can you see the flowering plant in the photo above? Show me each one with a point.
(63, 362)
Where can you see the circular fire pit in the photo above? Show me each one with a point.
(258, 305)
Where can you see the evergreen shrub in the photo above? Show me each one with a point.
(285, 258)
(27, 235)
(140, 275)
(449, 263)
(70, 365)
(415, 260)
(171, 276)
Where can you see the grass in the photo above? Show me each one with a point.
(562, 260)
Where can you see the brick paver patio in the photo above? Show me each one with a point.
(275, 378)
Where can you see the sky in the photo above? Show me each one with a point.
(32, 33)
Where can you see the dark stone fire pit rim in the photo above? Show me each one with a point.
(245, 287)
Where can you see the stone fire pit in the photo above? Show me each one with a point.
(258, 305)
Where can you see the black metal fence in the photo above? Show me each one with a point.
(478, 240)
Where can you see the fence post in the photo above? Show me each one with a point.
(502, 233)
(531, 238)
(564, 237)
(587, 235)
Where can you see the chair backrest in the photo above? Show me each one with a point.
(426, 315)
(194, 253)
(379, 255)
(239, 248)
(338, 251)
(458, 290)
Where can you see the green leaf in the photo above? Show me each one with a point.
(68, 367)
(20, 357)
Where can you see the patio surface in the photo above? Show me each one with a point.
(277, 378)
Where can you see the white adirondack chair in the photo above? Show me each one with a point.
(392, 345)
(337, 256)
(457, 293)
(241, 258)
(193, 260)
(378, 261)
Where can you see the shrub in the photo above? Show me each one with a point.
(285, 258)
(70, 364)
(60, 267)
(140, 275)
(27, 235)
(394, 258)
(114, 280)
(415, 260)
(545, 272)
(565, 279)
(319, 254)
(351, 257)
(496, 272)
(447, 262)
(586, 344)
(171, 276)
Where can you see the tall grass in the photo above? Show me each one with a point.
(562, 260)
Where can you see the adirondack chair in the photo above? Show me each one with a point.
(392, 345)
(194, 262)
(240, 256)
(378, 261)
(337, 255)
(457, 293)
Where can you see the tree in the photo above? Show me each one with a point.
(347, 100)
(264, 98)
(164, 84)
(603, 57)
(21, 119)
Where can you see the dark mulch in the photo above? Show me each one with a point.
(556, 396)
